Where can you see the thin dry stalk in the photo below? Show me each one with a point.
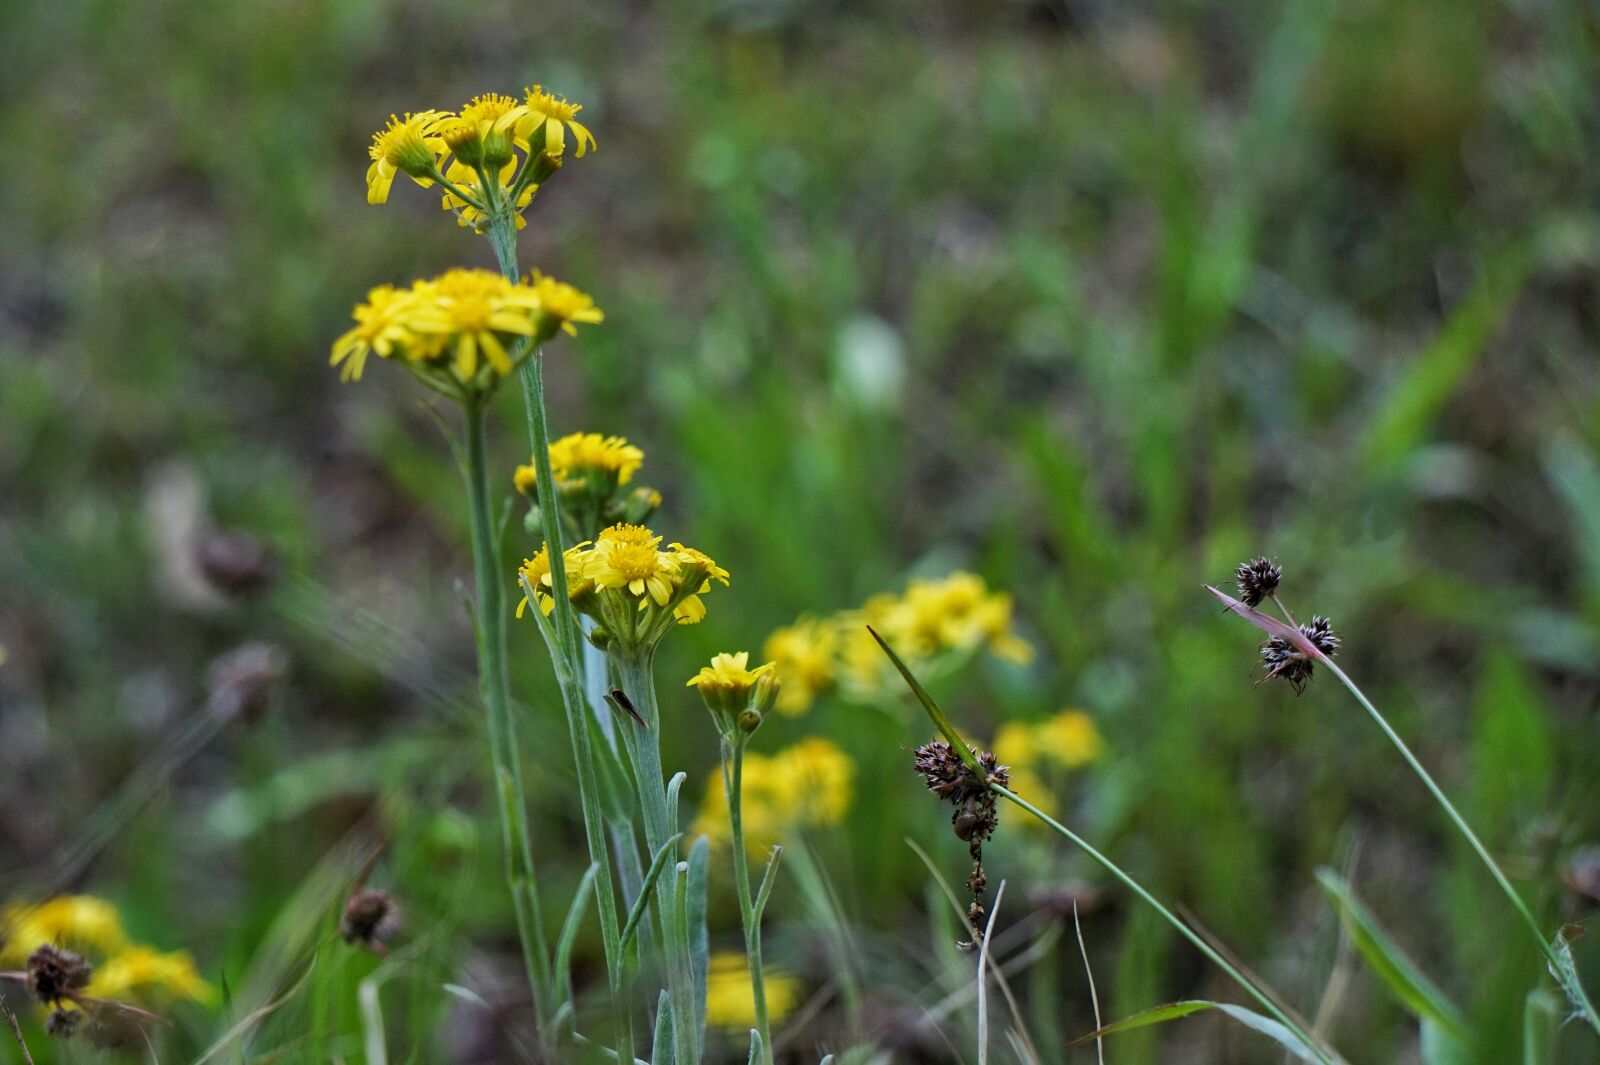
(16, 1030)
(1094, 996)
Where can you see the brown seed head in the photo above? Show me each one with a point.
(55, 974)
(371, 918)
(1257, 579)
(1283, 659)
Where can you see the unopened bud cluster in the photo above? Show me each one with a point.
(738, 697)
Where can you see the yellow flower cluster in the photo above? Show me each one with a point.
(730, 1002)
(457, 332)
(627, 583)
(472, 153)
(931, 625)
(92, 926)
(1036, 751)
(809, 785)
(578, 457)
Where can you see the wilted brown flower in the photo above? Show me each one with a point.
(975, 817)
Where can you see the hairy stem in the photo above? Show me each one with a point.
(1205, 948)
(565, 658)
(644, 748)
(733, 785)
(495, 685)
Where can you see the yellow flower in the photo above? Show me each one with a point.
(810, 784)
(379, 328)
(628, 556)
(730, 999)
(535, 574)
(804, 654)
(576, 455)
(141, 972)
(1070, 739)
(78, 921)
(728, 672)
(565, 304)
(557, 116)
(474, 309)
(406, 145)
(694, 564)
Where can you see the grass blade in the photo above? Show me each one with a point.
(1174, 1010)
(939, 719)
(1410, 985)
(569, 932)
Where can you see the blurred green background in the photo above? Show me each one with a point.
(1096, 300)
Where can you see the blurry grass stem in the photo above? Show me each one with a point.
(1560, 966)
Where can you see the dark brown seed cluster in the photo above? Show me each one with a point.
(1257, 579)
(1283, 659)
(371, 918)
(975, 816)
(55, 974)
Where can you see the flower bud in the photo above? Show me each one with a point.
(600, 638)
(749, 720)
(637, 506)
(465, 142)
(730, 691)
(497, 150)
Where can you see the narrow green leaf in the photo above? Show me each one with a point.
(1565, 970)
(661, 1046)
(647, 891)
(768, 878)
(939, 719)
(699, 940)
(1174, 1010)
(1420, 995)
(674, 786)
(569, 932)
(755, 1047)
(1442, 1047)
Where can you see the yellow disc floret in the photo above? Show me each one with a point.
(407, 145)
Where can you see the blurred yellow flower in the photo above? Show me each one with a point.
(82, 922)
(379, 328)
(727, 673)
(1065, 741)
(138, 972)
(804, 654)
(808, 785)
(931, 624)
(564, 303)
(535, 574)
(556, 116)
(730, 1001)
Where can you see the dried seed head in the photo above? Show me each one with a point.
(62, 1023)
(54, 974)
(1283, 659)
(371, 918)
(1257, 579)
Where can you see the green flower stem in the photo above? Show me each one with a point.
(733, 785)
(644, 749)
(1471, 837)
(566, 661)
(1205, 948)
(496, 688)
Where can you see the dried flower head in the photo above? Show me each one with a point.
(1257, 579)
(1283, 659)
(975, 817)
(371, 919)
(62, 1023)
(55, 974)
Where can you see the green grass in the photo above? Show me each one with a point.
(1096, 303)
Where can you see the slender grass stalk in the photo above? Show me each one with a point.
(495, 685)
(644, 749)
(1511, 893)
(733, 786)
(566, 660)
(1306, 1039)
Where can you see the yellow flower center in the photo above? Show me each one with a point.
(487, 109)
(634, 561)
